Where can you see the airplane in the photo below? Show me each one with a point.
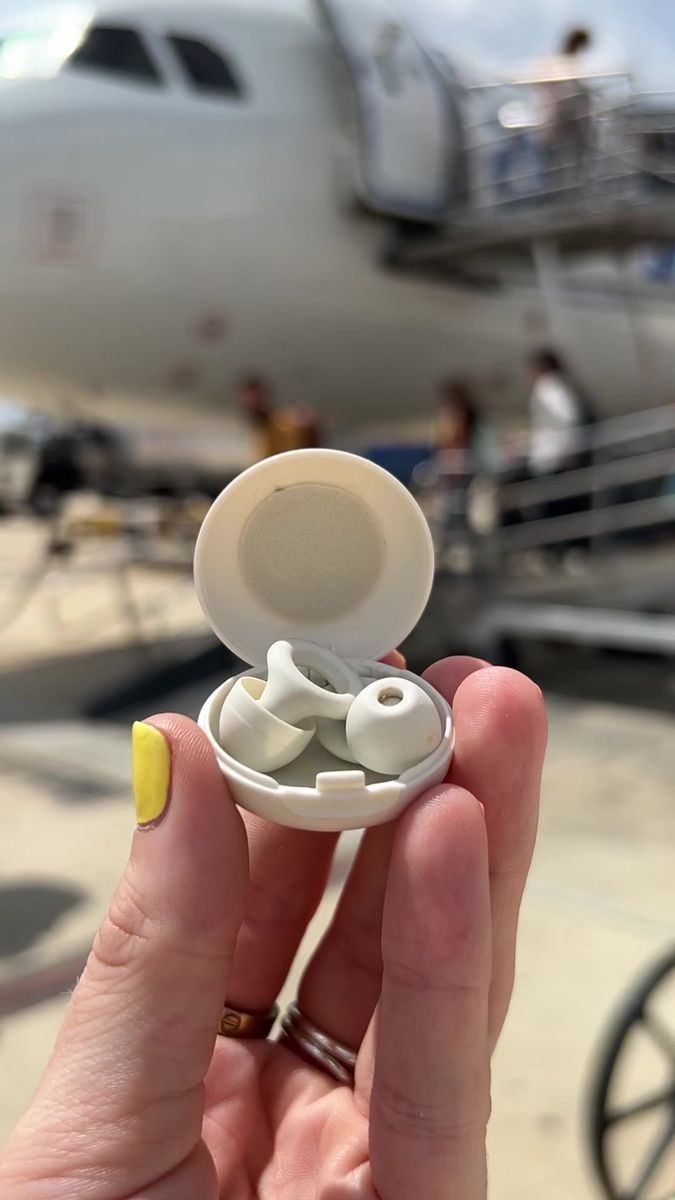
(194, 191)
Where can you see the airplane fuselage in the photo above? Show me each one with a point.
(156, 243)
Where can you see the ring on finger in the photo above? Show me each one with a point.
(323, 1051)
(246, 1026)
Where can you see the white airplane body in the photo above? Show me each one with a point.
(158, 241)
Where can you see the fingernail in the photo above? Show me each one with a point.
(151, 772)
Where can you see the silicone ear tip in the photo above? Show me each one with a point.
(255, 737)
(392, 726)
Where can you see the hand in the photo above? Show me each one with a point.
(416, 970)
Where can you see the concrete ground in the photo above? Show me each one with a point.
(599, 906)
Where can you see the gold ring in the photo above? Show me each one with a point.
(246, 1026)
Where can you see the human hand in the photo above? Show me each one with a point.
(416, 971)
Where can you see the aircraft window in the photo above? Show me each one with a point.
(115, 51)
(205, 68)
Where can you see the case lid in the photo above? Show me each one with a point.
(314, 544)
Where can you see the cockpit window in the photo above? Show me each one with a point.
(205, 68)
(113, 50)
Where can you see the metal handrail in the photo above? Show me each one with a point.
(601, 107)
(618, 157)
(585, 480)
(558, 191)
(599, 522)
(537, 81)
(621, 454)
(610, 433)
(617, 431)
(598, 115)
(649, 633)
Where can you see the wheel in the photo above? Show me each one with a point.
(632, 1100)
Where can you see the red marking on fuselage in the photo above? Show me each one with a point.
(184, 377)
(211, 328)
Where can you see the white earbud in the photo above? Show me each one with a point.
(267, 725)
(393, 725)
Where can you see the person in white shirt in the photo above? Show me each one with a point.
(566, 109)
(557, 415)
(562, 97)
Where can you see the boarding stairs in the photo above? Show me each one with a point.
(614, 197)
(585, 556)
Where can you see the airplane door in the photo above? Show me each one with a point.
(406, 130)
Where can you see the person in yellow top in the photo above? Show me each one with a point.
(276, 430)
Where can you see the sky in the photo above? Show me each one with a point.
(638, 35)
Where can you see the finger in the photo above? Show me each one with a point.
(341, 985)
(501, 733)
(428, 1046)
(289, 869)
(448, 675)
(395, 659)
(140, 1030)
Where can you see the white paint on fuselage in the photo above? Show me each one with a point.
(191, 208)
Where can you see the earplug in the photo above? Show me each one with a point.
(256, 737)
(393, 725)
(333, 737)
(387, 727)
(267, 725)
(293, 697)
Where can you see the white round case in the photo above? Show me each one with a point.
(326, 547)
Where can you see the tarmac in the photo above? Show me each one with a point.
(598, 909)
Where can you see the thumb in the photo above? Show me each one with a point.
(139, 1032)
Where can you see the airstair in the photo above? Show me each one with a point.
(603, 183)
(585, 556)
(462, 172)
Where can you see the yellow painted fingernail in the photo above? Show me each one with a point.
(151, 772)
